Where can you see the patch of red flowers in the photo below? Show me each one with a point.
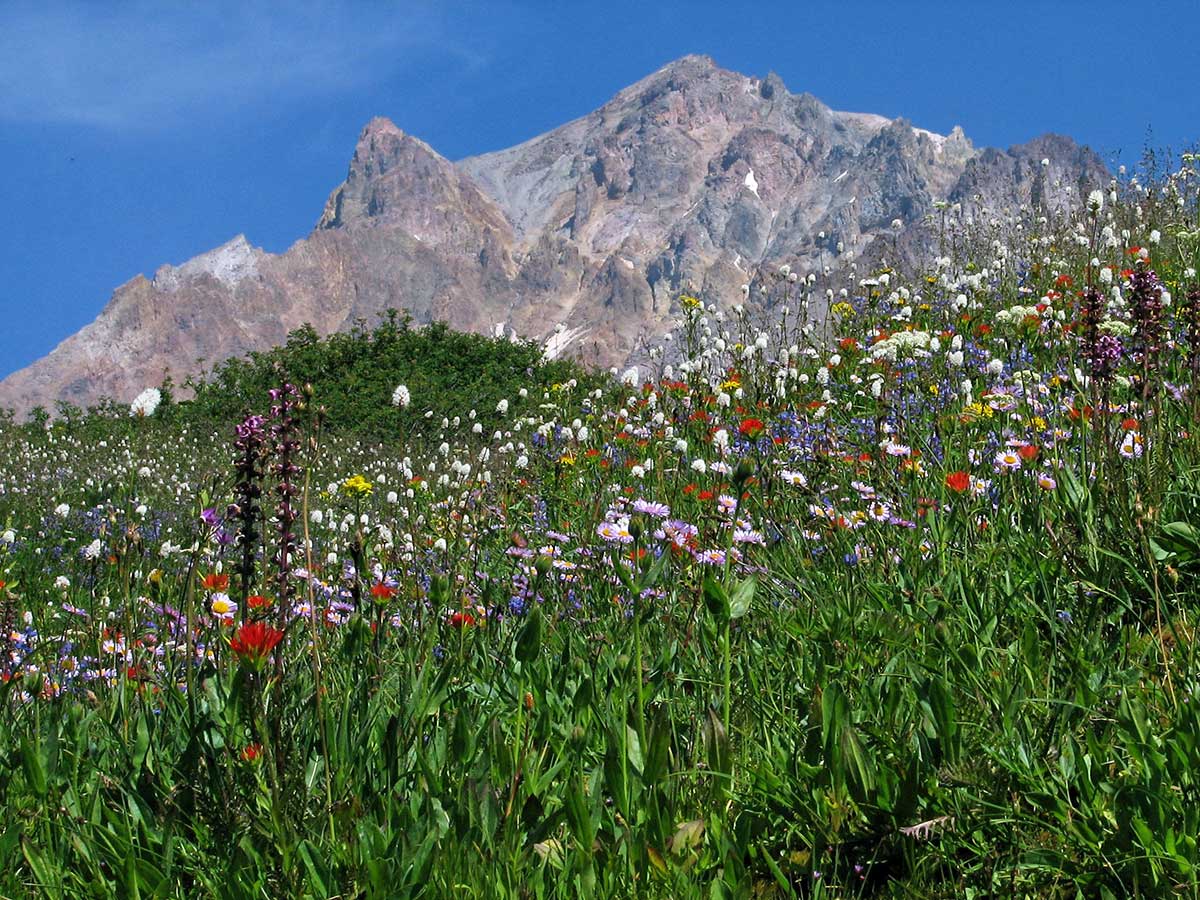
(751, 428)
(253, 643)
(382, 591)
(958, 481)
(1028, 452)
(214, 582)
(257, 601)
(461, 620)
(251, 752)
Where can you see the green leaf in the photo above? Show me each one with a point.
(529, 642)
(941, 705)
(652, 576)
(716, 742)
(633, 750)
(859, 763)
(716, 600)
(315, 866)
(743, 594)
(579, 815)
(43, 871)
(583, 695)
(659, 739)
(35, 771)
(835, 714)
(687, 837)
(141, 743)
(614, 774)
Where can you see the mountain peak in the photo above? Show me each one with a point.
(380, 125)
(690, 179)
(691, 63)
(384, 157)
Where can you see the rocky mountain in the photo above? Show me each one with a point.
(584, 236)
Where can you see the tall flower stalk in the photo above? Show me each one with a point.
(284, 435)
(1146, 309)
(249, 446)
(1191, 311)
(1101, 356)
(285, 404)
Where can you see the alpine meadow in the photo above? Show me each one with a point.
(868, 570)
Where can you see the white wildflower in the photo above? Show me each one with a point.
(145, 403)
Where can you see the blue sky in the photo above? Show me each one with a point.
(133, 134)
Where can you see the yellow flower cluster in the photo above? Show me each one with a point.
(357, 486)
(689, 302)
(972, 412)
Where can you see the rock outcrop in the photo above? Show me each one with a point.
(688, 179)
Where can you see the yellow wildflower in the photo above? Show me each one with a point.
(358, 486)
(973, 412)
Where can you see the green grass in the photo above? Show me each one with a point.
(843, 665)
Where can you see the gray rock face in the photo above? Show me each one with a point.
(687, 180)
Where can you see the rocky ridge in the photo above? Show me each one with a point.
(584, 236)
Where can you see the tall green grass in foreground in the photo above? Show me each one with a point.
(899, 602)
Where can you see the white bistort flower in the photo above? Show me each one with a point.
(145, 403)
(401, 398)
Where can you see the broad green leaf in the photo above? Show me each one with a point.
(743, 594)
(716, 600)
(529, 642)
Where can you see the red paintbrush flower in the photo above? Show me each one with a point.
(215, 582)
(751, 428)
(958, 481)
(253, 643)
(381, 591)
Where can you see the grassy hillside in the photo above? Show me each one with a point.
(901, 604)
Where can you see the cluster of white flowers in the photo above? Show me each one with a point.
(401, 398)
(903, 343)
(145, 403)
(1015, 315)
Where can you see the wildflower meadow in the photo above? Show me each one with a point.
(868, 582)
